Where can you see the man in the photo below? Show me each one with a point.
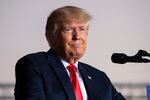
(58, 74)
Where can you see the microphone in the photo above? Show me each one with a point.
(122, 58)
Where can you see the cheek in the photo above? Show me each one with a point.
(84, 39)
(64, 40)
(59, 41)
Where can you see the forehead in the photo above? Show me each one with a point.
(75, 23)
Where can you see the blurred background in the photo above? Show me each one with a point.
(121, 26)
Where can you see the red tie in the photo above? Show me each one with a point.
(74, 80)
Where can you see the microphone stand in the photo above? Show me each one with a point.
(139, 57)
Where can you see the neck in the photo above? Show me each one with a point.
(68, 57)
(70, 60)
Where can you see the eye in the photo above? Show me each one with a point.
(83, 29)
(68, 30)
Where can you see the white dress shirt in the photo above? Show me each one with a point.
(83, 90)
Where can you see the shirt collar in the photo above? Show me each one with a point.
(67, 64)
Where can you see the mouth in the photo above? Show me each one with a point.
(76, 45)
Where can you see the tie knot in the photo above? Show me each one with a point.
(72, 68)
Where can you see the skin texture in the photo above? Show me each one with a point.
(70, 41)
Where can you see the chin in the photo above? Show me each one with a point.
(80, 53)
(76, 52)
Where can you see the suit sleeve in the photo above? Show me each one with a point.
(115, 94)
(29, 84)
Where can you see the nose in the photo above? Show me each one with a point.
(76, 34)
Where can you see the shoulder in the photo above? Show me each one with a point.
(32, 59)
(91, 69)
(32, 56)
(97, 75)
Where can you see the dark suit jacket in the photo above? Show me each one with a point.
(42, 76)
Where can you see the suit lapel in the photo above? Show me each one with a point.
(61, 73)
(88, 82)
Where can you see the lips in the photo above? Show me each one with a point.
(76, 45)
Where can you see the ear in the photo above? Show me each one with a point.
(51, 39)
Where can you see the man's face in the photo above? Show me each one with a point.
(70, 42)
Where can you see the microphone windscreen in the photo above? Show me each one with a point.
(119, 58)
